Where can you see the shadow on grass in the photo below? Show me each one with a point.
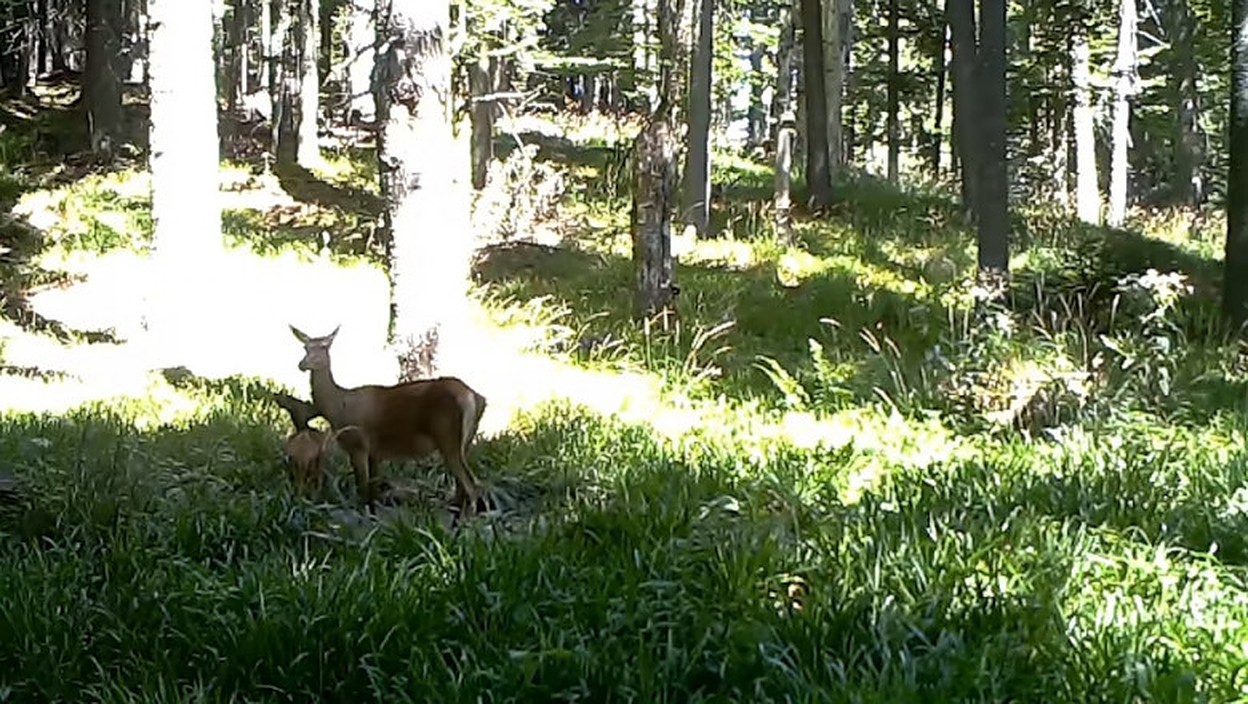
(769, 318)
(656, 574)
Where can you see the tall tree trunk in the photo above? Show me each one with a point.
(757, 119)
(994, 213)
(1124, 90)
(940, 68)
(186, 212)
(1087, 184)
(101, 80)
(818, 172)
(894, 61)
(481, 86)
(655, 152)
(1235, 276)
(360, 57)
(236, 52)
(429, 239)
(268, 50)
(309, 36)
(285, 73)
(837, 23)
(654, 195)
(697, 177)
(786, 45)
(783, 202)
(1189, 183)
(967, 129)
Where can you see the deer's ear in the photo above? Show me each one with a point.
(330, 337)
(299, 335)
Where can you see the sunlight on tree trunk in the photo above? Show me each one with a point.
(1235, 275)
(696, 208)
(941, 71)
(186, 212)
(309, 150)
(1124, 89)
(782, 98)
(1087, 186)
(101, 78)
(421, 170)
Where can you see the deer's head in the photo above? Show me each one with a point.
(315, 349)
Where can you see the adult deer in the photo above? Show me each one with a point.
(404, 421)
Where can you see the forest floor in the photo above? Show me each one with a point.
(838, 479)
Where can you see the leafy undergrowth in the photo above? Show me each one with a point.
(859, 483)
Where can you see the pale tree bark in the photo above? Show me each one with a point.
(1189, 153)
(1124, 90)
(186, 212)
(894, 61)
(1087, 186)
(994, 213)
(818, 173)
(696, 209)
(421, 181)
(1235, 275)
(837, 23)
(284, 73)
(101, 80)
(309, 36)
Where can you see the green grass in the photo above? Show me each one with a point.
(879, 492)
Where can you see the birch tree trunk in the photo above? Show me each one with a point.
(1124, 90)
(1087, 185)
(186, 212)
(425, 214)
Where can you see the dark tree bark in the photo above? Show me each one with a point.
(697, 178)
(894, 60)
(966, 127)
(1235, 276)
(425, 214)
(818, 170)
(994, 215)
(101, 81)
(1189, 183)
(236, 55)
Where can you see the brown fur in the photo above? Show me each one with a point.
(405, 421)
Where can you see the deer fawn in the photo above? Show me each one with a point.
(306, 446)
(404, 421)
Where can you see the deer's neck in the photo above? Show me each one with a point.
(327, 395)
